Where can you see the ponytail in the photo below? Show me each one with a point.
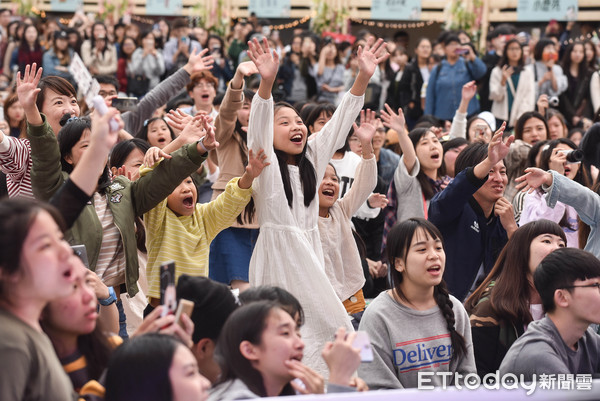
(442, 298)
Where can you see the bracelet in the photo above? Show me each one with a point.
(201, 143)
(112, 298)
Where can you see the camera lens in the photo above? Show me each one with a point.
(553, 101)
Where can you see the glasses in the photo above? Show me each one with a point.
(204, 85)
(597, 285)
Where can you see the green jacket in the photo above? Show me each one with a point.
(126, 199)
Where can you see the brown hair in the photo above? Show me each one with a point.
(511, 293)
(12, 99)
(56, 84)
(198, 76)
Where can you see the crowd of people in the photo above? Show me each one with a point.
(307, 193)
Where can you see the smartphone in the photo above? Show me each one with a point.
(461, 51)
(80, 251)
(184, 39)
(186, 307)
(124, 104)
(363, 342)
(168, 296)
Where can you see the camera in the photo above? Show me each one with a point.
(573, 156)
(553, 101)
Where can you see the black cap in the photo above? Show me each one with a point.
(61, 35)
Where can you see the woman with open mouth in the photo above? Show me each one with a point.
(260, 352)
(288, 252)
(417, 177)
(416, 326)
(36, 267)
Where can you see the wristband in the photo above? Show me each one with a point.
(112, 298)
(201, 143)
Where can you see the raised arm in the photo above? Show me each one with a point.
(396, 122)
(260, 125)
(75, 194)
(164, 91)
(232, 102)
(447, 205)
(366, 172)
(459, 122)
(369, 59)
(333, 135)
(93, 161)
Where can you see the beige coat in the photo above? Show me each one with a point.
(228, 156)
(524, 97)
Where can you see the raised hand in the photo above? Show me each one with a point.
(101, 132)
(533, 179)
(378, 200)
(199, 61)
(247, 68)
(367, 126)
(498, 148)
(266, 61)
(468, 91)
(341, 357)
(542, 104)
(370, 57)
(178, 119)
(209, 141)
(153, 155)
(392, 120)
(27, 86)
(557, 161)
(256, 163)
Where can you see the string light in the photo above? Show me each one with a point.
(293, 24)
(380, 24)
(596, 33)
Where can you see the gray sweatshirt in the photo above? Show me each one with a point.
(231, 390)
(407, 341)
(542, 350)
(166, 90)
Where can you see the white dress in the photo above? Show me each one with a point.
(288, 252)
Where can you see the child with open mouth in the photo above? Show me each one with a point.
(181, 230)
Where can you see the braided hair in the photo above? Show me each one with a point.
(398, 243)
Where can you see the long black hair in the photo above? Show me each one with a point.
(247, 323)
(504, 59)
(139, 369)
(398, 243)
(415, 136)
(308, 175)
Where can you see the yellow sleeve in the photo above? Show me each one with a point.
(222, 212)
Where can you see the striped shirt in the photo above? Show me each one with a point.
(111, 261)
(186, 239)
(16, 163)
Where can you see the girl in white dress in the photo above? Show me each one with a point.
(288, 252)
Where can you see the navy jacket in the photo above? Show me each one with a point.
(470, 238)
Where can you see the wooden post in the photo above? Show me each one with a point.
(485, 25)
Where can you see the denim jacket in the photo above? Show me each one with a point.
(585, 201)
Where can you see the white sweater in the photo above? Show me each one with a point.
(524, 97)
(343, 266)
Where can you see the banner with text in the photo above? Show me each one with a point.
(545, 10)
(65, 5)
(396, 9)
(270, 8)
(163, 7)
